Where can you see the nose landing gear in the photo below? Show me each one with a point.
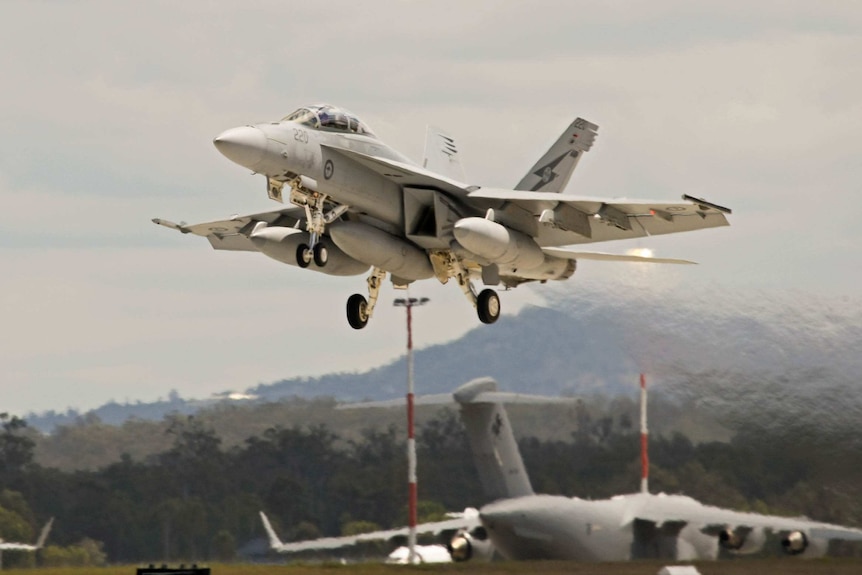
(316, 221)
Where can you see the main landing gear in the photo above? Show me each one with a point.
(488, 306)
(487, 302)
(316, 221)
(306, 254)
(359, 310)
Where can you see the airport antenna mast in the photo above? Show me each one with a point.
(409, 303)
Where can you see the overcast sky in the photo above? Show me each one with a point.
(108, 111)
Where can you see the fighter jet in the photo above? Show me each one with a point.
(357, 203)
(523, 525)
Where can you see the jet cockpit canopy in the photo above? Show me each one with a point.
(330, 118)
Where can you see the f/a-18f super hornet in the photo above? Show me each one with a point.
(359, 204)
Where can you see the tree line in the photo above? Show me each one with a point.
(198, 499)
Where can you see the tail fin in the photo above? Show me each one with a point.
(553, 171)
(43, 535)
(442, 156)
(495, 451)
(274, 542)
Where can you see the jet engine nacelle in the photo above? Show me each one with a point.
(498, 244)
(794, 543)
(281, 243)
(742, 541)
(382, 250)
(472, 545)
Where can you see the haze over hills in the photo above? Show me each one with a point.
(766, 357)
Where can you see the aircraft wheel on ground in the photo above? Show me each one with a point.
(357, 311)
(488, 306)
(303, 255)
(320, 254)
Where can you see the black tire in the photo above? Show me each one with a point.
(488, 306)
(320, 255)
(303, 255)
(357, 311)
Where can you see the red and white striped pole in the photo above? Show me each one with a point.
(411, 444)
(411, 440)
(644, 439)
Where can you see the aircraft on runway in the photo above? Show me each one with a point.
(523, 525)
(464, 535)
(40, 542)
(359, 204)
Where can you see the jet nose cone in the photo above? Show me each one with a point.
(244, 146)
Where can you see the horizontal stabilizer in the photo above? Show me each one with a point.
(480, 396)
(570, 255)
(43, 535)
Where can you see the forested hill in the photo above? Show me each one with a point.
(779, 351)
(539, 350)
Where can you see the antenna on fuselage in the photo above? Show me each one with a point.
(644, 439)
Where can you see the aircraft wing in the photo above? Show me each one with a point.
(712, 520)
(232, 234)
(17, 547)
(399, 172)
(468, 520)
(573, 219)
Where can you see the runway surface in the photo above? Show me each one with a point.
(783, 566)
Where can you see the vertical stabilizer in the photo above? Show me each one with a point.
(495, 451)
(553, 170)
(43, 535)
(442, 155)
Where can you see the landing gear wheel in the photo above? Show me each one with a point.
(357, 311)
(320, 254)
(303, 255)
(488, 306)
